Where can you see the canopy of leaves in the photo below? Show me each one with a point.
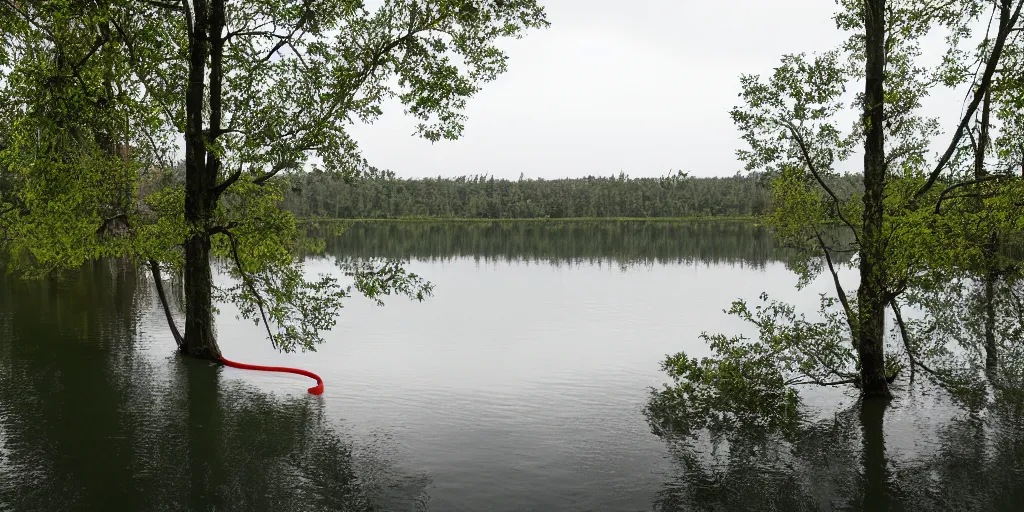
(951, 223)
(92, 116)
(382, 195)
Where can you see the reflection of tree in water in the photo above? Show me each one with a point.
(620, 243)
(844, 462)
(88, 422)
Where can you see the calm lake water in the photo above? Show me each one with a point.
(520, 385)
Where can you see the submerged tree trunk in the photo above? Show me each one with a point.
(200, 199)
(876, 477)
(200, 339)
(871, 294)
(158, 281)
(990, 247)
(991, 350)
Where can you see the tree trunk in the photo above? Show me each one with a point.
(990, 245)
(200, 340)
(871, 294)
(991, 350)
(158, 281)
(200, 199)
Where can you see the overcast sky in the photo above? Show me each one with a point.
(641, 86)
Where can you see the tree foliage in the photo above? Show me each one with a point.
(99, 98)
(941, 230)
(382, 195)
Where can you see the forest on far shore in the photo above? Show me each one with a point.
(382, 195)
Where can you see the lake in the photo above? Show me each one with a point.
(521, 384)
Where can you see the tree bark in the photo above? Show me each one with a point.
(200, 340)
(871, 294)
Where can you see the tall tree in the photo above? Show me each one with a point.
(253, 90)
(906, 243)
(871, 292)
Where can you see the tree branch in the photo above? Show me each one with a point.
(811, 380)
(142, 79)
(942, 196)
(100, 41)
(154, 267)
(376, 60)
(839, 287)
(306, 16)
(222, 229)
(16, 7)
(189, 25)
(906, 341)
(814, 171)
(249, 33)
(278, 167)
(1006, 22)
(248, 282)
(163, 5)
(260, 180)
(219, 189)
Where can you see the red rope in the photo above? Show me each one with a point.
(315, 390)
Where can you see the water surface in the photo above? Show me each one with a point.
(520, 385)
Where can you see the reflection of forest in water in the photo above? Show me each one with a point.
(857, 460)
(95, 412)
(89, 421)
(563, 242)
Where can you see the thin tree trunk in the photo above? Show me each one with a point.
(991, 350)
(871, 294)
(158, 280)
(200, 339)
(989, 249)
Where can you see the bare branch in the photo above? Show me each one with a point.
(283, 40)
(260, 180)
(248, 33)
(100, 41)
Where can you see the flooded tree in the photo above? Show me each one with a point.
(99, 97)
(912, 235)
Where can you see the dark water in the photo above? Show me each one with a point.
(520, 385)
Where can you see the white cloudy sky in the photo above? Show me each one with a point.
(641, 86)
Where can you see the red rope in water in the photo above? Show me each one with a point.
(315, 390)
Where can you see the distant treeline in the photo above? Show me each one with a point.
(383, 196)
